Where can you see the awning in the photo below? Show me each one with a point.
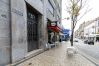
(54, 28)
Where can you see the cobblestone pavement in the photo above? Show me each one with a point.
(57, 57)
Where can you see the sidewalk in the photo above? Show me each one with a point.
(57, 57)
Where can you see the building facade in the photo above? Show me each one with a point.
(23, 27)
(76, 34)
(97, 28)
(81, 30)
(89, 29)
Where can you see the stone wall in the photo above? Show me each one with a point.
(19, 29)
(4, 32)
(13, 31)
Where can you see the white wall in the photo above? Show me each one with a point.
(89, 30)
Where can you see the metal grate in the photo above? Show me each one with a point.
(32, 31)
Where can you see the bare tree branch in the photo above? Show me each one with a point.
(74, 9)
(84, 14)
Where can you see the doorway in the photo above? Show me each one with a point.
(32, 28)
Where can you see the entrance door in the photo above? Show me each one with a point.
(32, 30)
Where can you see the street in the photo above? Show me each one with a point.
(90, 50)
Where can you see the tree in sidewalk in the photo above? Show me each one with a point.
(74, 9)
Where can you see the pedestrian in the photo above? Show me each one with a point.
(59, 40)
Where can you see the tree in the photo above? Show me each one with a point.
(74, 8)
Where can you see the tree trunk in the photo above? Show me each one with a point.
(72, 34)
(72, 39)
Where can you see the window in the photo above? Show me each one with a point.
(92, 32)
(50, 8)
(86, 33)
(98, 23)
(98, 29)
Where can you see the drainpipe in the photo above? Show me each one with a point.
(95, 29)
(10, 26)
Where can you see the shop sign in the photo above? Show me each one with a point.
(53, 24)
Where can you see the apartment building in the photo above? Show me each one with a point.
(89, 29)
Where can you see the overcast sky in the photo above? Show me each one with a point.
(93, 5)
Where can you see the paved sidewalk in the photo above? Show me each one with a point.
(57, 57)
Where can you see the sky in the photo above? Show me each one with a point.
(92, 4)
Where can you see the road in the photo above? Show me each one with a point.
(91, 50)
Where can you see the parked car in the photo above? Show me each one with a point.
(91, 42)
(86, 42)
(75, 40)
